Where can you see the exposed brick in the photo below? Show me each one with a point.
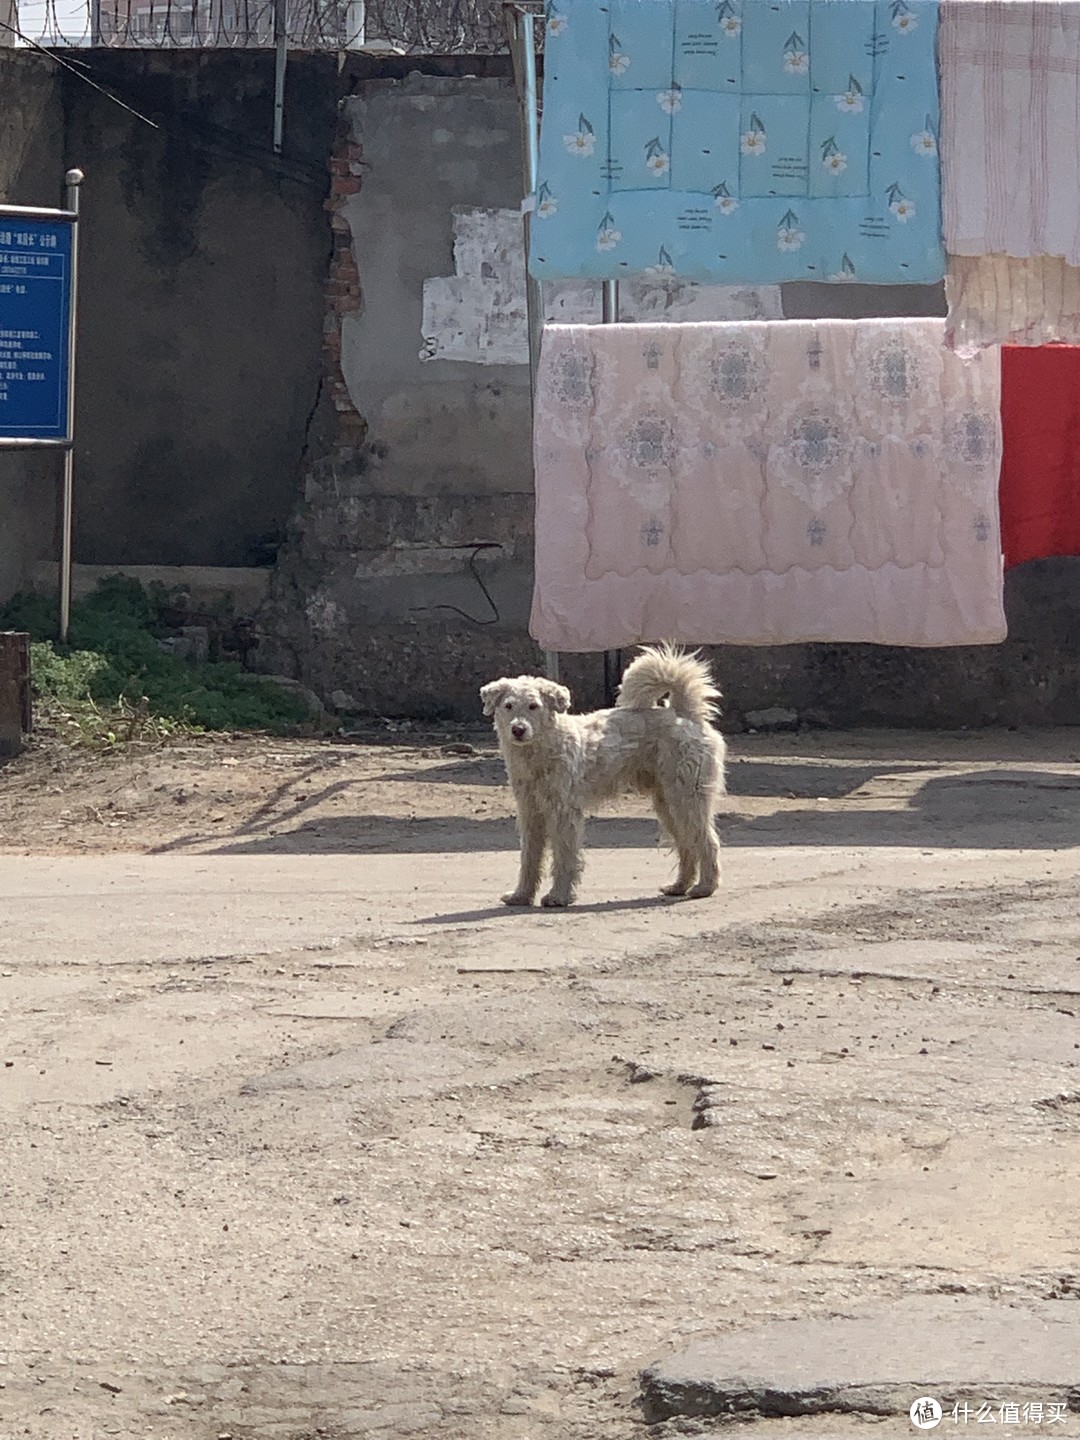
(344, 295)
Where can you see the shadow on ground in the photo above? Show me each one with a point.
(745, 776)
(1006, 809)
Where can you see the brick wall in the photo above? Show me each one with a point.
(343, 293)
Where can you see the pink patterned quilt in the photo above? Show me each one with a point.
(764, 484)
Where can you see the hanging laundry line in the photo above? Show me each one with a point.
(1002, 198)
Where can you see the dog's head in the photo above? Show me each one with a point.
(524, 707)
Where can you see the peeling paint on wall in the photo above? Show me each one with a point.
(478, 314)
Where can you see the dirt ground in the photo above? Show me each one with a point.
(305, 1135)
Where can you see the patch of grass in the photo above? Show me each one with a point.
(114, 682)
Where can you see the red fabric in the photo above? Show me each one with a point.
(1040, 465)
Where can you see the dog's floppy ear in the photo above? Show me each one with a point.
(556, 697)
(491, 694)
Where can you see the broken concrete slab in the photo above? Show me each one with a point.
(877, 1361)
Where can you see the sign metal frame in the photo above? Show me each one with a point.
(68, 300)
(64, 303)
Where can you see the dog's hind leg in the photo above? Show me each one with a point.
(568, 834)
(533, 844)
(709, 860)
(687, 858)
(699, 830)
(690, 806)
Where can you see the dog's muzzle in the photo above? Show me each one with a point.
(519, 731)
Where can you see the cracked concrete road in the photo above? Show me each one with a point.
(304, 1136)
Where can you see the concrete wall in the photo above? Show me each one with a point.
(377, 567)
(203, 269)
(428, 143)
(31, 173)
(202, 296)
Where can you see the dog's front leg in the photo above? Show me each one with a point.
(568, 833)
(533, 845)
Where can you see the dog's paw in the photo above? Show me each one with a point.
(700, 892)
(675, 889)
(551, 901)
(517, 897)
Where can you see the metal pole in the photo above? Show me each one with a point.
(610, 302)
(280, 61)
(523, 54)
(609, 315)
(73, 179)
(355, 24)
(534, 297)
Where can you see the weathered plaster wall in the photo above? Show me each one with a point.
(367, 597)
(427, 143)
(203, 269)
(478, 315)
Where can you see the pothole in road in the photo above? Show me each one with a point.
(678, 1096)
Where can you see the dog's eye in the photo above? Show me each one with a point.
(533, 705)
(509, 705)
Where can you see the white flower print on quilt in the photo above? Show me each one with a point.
(740, 142)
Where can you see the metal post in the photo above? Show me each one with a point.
(609, 315)
(522, 39)
(355, 24)
(281, 40)
(73, 179)
(523, 54)
(610, 302)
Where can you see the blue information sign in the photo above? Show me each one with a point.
(35, 304)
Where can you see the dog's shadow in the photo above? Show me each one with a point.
(595, 907)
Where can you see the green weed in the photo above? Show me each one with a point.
(113, 682)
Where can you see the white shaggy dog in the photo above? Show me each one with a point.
(658, 740)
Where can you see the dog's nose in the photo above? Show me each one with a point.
(518, 731)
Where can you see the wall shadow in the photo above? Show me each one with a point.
(1000, 809)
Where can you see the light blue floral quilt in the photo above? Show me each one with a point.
(740, 142)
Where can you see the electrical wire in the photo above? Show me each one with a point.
(471, 566)
(65, 65)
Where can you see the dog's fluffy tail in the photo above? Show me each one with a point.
(662, 671)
